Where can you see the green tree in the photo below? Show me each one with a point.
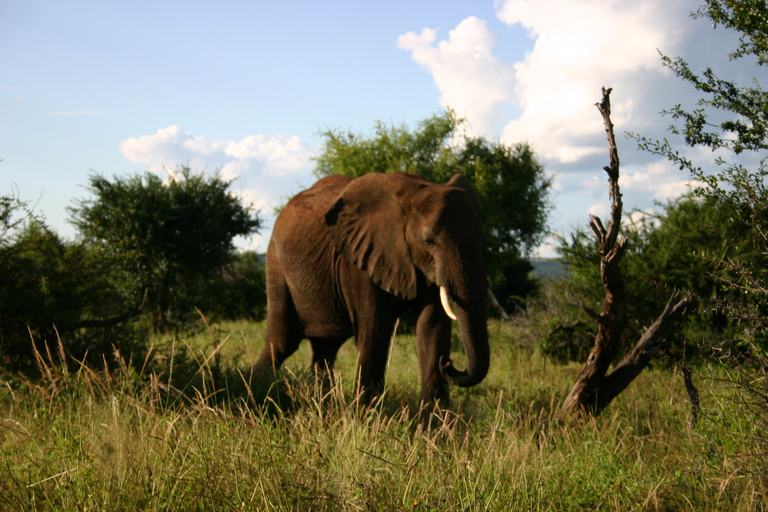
(49, 287)
(238, 290)
(673, 249)
(170, 235)
(11, 206)
(510, 183)
(732, 120)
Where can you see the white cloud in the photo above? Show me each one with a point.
(600, 209)
(658, 181)
(169, 146)
(471, 79)
(577, 47)
(283, 155)
(580, 47)
(266, 170)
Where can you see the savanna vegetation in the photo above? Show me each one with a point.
(125, 354)
(178, 432)
(148, 253)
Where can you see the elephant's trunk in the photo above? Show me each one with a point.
(474, 334)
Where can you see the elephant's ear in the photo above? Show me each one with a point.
(367, 227)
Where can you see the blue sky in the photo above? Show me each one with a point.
(244, 87)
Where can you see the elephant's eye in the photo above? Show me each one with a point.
(429, 241)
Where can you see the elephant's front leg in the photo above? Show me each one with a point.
(433, 340)
(373, 341)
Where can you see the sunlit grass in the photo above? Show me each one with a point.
(185, 435)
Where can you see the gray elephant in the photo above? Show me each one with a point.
(348, 256)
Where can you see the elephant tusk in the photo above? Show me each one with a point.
(446, 303)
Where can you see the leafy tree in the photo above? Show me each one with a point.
(238, 290)
(511, 186)
(731, 119)
(170, 235)
(49, 287)
(673, 249)
(10, 208)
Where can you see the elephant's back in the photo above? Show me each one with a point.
(306, 210)
(319, 196)
(300, 240)
(301, 255)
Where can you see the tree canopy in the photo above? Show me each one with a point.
(672, 249)
(730, 120)
(170, 235)
(510, 183)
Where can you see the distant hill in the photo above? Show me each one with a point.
(548, 268)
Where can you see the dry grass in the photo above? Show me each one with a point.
(184, 434)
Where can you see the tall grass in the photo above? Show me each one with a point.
(184, 433)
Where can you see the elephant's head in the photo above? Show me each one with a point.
(396, 227)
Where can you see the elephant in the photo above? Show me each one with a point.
(348, 256)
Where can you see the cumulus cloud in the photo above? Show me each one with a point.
(580, 47)
(601, 209)
(576, 48)
(265, 170)
(282, 155)
(470, 78)
(169, 145)
(641, 187)
(658, 180)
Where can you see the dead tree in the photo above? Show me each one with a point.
(595, 387)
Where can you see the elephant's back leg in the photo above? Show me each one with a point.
(284, 328)
(324, 351)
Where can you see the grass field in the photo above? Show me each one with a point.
(90, 439)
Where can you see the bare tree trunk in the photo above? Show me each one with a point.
(593, 389)
(639, 357)
(693, 394)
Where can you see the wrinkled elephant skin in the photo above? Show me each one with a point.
(348, 256)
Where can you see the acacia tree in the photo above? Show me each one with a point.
(731, 120)
(50, 288)
(739, 144)
(667, 250)
(170, 235)
(510, 183)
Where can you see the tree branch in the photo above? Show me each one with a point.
(613, 319)
(642, 353)
(593, 389)
(612, 169)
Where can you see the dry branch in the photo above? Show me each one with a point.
(646, 348)
(613, 318)
(593, 389)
